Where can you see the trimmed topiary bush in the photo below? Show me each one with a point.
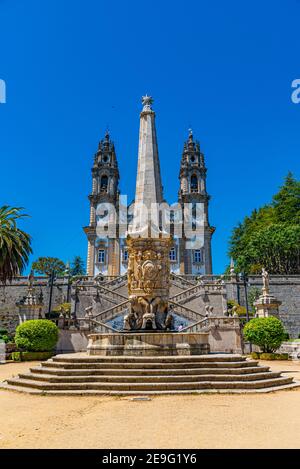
(36, 335)
(267, 333)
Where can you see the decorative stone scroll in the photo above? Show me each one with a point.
(148, 283)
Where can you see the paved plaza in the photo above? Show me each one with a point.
(184, 421)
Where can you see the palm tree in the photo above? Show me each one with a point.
(15, 244)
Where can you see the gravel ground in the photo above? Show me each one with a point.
(184, 421)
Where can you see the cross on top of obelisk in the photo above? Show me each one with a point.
(147, 101)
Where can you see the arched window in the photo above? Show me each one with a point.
(194, 183)
(104, 183)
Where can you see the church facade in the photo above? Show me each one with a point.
(191, 251)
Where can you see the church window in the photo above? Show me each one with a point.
(101, 256)
(172, 254)
(197, 256)
(125, 255)
(194, 183)
(104, 183)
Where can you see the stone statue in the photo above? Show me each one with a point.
(30, 280)
(148, 321)
(88, 311)
(169, 322)
(266, 281)
(129, 321)
(147, 101)
(232, 268)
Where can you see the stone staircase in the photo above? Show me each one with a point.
(80, 374)
(109, 291)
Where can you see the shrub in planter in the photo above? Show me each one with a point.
(267, 333)
(36, 335)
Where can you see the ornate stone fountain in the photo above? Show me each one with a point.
(148, 284)
(148, 322)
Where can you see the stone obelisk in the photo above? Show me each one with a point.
(148, 246)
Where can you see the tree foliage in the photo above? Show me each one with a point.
(15, 244)
(270, 236)
(77, 266)
(46, 265)
(64, 308)
(268, 333)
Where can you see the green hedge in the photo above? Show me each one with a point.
(27, 356)
(270, 356)
(36, 335)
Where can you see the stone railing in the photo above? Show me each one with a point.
(181, 281)
(184, 311)
(112, 313)
(83, 324)
(197, 326)
(213, 322)
(99, 326)
(114, 281)
(107, 292)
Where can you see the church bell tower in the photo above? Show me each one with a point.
(103, 252)
(195, 251)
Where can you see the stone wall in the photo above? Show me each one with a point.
(285, 288)
(17, 289)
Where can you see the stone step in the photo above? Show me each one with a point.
(100, 393)
(147, 379)
(145, 365)
(160, 386)
(156, 359)
(148, 371)
(85, 375)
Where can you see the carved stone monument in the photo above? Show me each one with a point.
(148, 246)
(267, 304)
(30, 306)
(147, 327)
(148, 282)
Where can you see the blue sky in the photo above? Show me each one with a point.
(73, 67)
